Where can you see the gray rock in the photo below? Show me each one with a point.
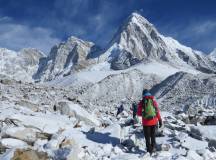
(20, 65)
(28, 104)
(6, 143)
(74, 110)
(186, 91)
(28, 154)
(112, 89)
(25, 134)
(123, 60)
(164, 147)
(65, 58)
(128, 143)
(212, 143)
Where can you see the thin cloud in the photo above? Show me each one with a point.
(98, 20)
(204, 27)
(16, 37)
(199, 35)
(5, 19)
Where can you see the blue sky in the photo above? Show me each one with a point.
(43, 23)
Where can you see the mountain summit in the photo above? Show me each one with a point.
(138, 40)
(19, 65)
(65, 57)
(213, 53)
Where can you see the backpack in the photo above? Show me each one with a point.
(148, 109)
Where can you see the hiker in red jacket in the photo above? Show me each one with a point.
(148, 109)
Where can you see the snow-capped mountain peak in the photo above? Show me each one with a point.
(137, 18)
(76, 40)
(137, 39)
(137, 36)
(213, 53)
(66, 57)
(19, 65)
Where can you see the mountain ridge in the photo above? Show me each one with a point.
(20, 65)
(136, 41)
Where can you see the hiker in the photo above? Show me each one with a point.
(148, 109)
(120, 109)
(134, 110)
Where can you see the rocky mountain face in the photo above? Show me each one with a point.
(138, 40)
(20, 65)
(184, 90)
(213, 53)
(74, 54)
(115, 88)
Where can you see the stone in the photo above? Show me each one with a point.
(195, 133)
(28, 104)
(68, 149)
(192, 155)
(74, 110)
(29, 155)
(7, 155)
(194, 144)
(6, 81)
(67, 143)
(212, 143)
(165, 147)
(12, 143)
(128, 143)
(40, 135)
(25, 134)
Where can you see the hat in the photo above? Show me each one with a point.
(146, 92)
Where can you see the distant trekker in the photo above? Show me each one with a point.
(134, 110)
(120, 109)
(148, 109)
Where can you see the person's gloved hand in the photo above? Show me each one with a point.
(160, 123)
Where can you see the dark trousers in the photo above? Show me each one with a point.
(149, 133)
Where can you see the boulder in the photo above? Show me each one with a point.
(192, 155)
(128, 143)
(164, 147)
(7, 155)
(212, 143)
(48, 123)
(206, 154)
(195, 133)
(193, 144)
(25, 134)
(69, 150)
(208, 132)
(29, 154)
(12, 143)
(28, 104)
(7, 81)
(74, 110)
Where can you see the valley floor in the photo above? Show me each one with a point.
(34, 125)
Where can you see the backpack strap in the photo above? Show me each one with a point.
(143, 104)
(156, 108)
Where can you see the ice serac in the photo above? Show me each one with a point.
(19, 65)
(138, 40)
(74, 54)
